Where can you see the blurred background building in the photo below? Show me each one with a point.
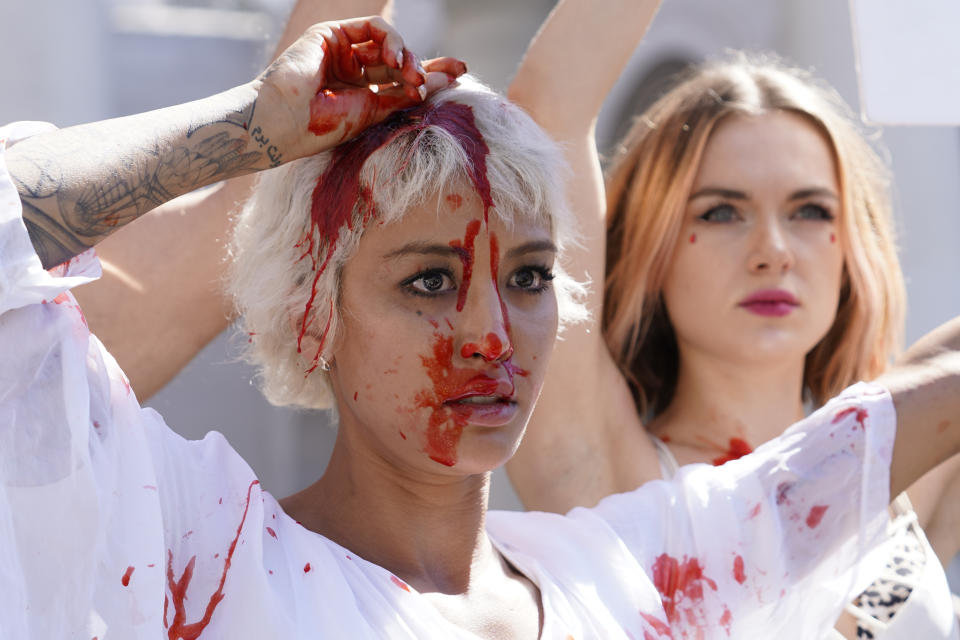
(72, 61)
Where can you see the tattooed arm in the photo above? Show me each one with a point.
(80, 184)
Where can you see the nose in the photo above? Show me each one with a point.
(484, 325)
(770, 251)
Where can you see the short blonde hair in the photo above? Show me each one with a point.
(649, 182)
(283, 268)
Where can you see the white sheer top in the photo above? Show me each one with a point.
(114, 527)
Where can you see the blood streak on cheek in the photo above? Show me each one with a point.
(494, 273)
(465, 251)
(737, 449)
(444, 425)
(338, 193)
(693, 238)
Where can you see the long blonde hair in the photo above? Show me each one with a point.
(649, 182)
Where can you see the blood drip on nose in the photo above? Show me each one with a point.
(338, 191)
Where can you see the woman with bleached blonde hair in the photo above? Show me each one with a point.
(746, 239)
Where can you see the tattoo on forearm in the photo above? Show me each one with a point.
(66, 214)
(258, 136)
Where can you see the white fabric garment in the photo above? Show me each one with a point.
(113, 527)
(928, 611)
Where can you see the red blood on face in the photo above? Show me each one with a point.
(455, 200)
(465, 251)
(444, 425)
(738, 449)
(338, 191)
(693, 238)
(179, 629)
(816, 515)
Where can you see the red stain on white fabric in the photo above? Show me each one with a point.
(681, 585)
(861, 416)
(400, 583)
(179, 628)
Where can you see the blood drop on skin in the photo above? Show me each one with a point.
(693, 238)
(465, 251)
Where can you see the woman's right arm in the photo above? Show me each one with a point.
(585, 439)
(170, 313)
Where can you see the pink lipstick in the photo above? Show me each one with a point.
(770, 302)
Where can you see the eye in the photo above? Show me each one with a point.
(720, 213)
(432, 282)
(531, 278)
(812, 211)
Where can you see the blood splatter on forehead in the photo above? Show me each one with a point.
(338, 188)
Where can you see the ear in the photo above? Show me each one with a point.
(311, 345)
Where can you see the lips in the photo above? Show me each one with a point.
(484, 401)
(770, 302)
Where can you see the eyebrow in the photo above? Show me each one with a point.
(733, 194)
(446, 251)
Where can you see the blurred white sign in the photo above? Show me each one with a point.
(908, 56)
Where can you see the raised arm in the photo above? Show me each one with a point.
(79, 185)
(181, 306)
(585, 415)
(926, 393)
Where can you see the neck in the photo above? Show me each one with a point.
(429, 531)
(719, 405)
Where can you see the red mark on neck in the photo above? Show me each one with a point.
(681, 586)
(816, 515)
(465, 251)
(738, 572)
(125, 580)
(738, 448)
(338, 192)
(179, 629)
